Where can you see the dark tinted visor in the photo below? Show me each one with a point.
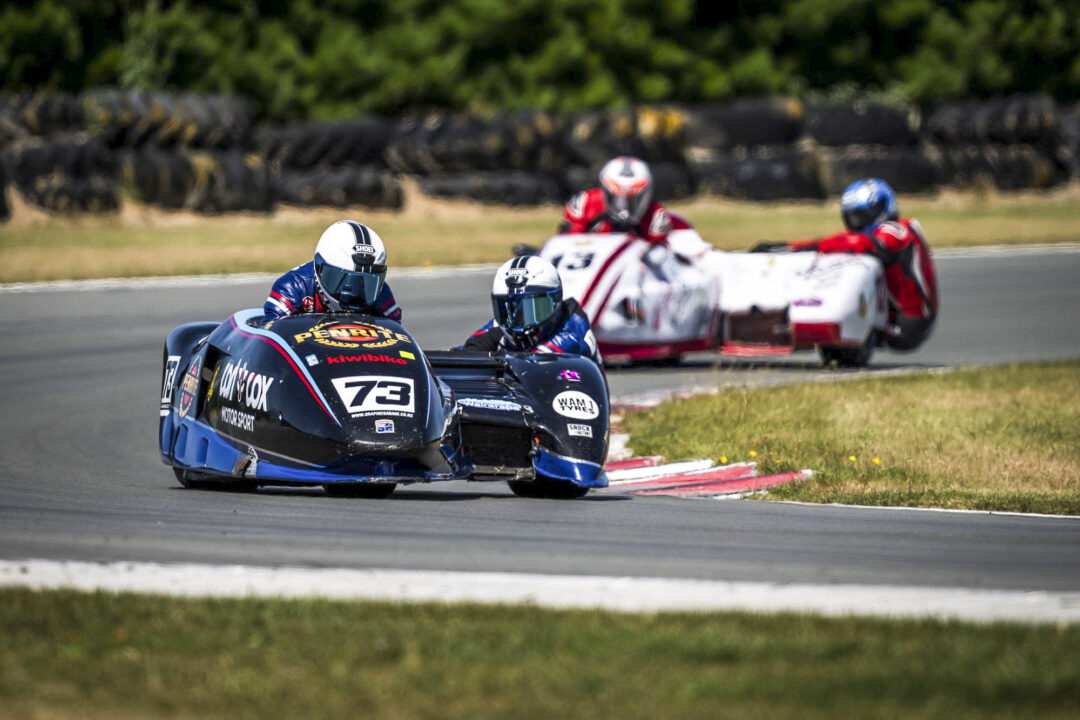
(354, 289)
(520, 312)
(622, 208)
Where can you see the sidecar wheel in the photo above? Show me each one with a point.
(833, 356)
(548, 489)
(201, 481)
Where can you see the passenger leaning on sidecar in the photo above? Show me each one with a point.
(347, 275)
(530, 313)
(874, 227)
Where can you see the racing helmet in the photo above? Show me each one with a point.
(866, 203)
(350, 267)
(628, 190)
(525, 299)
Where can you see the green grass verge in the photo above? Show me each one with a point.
(140, 241)
(73, 655)
(1005, 438)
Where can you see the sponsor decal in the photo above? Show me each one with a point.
(308, 303)
(212, 383)
(238, 419)
(312, 360)
(579, 430)
(243, 386)
(577, 405)
(366, 357)
(570, 376)
(490, 404)
(406, 354)
(172, 364)
(351, 335)
(808, 302)
(384, 426)
(190, 386)
(376, 395)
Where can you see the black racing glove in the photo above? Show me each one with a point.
(764, 247)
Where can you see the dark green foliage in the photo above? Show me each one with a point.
(306, 60)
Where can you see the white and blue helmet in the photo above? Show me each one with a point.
(525, 298)
(350, 266)
(867, 203)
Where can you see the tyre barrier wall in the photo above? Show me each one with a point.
(340, 187)
(201, 181)
(68, 152)
(133, 119)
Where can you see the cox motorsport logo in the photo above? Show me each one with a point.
(243, 386)
(351, 335)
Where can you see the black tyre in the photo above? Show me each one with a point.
(200, 481)
(548, 489)
(848, 357)
(369, 490)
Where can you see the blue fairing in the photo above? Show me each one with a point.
(580, 472)
(198, 447)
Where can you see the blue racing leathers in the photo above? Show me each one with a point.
(571, 335)
(294, 293)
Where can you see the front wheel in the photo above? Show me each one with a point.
(201, 481)
(369, 490)
(547, 488)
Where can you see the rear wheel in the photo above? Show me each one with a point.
(369, 490)
(201, 481)
(835, 356)
(547, 488)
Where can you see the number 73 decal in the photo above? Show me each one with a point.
(372, 394)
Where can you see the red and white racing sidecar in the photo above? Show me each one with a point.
(652, 303)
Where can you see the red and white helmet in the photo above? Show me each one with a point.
(628, 189)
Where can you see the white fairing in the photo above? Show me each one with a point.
(846, 290)
(635, 295)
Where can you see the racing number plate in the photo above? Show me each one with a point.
(376, 395)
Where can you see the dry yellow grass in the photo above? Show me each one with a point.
(141, 241)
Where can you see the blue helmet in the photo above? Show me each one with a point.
(866, 203)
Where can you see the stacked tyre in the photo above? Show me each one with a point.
(201, 181)
(1009, 143)
(749, 149)
(65, 173)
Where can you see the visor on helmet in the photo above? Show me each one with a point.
(856, 219)
(525, 311)
(354, 289)
(624, 209)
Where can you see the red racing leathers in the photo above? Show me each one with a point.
(587, 213)
(901, 247)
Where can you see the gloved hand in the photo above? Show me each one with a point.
(764, 247)
(522, 249)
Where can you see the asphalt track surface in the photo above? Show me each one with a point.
(81, 478)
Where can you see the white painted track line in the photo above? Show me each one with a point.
(622, 594)
(434, 272)
(233, 279)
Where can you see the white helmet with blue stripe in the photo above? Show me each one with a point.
(350, 267)
(525, 298)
